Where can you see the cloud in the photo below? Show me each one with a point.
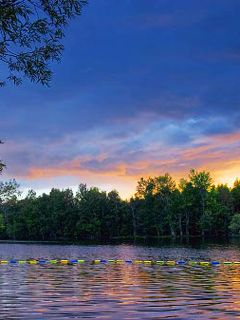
(150, 148)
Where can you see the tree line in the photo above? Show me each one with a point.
(159, 208)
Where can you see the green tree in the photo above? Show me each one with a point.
(28, 224)
(134, 205)
(220, 203)
(90, 209)
(155, 197)
(2, 225)
(31, 33)
(9, 191)
(176, 212)
(187, 208)
(164, 191)
(143, 209)
(235, 224)
(236, 196)
(201, 182)
(114, 215)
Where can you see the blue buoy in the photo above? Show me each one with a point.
(73, 261)
(128, 261)
(103, 261)
(13, 261)
(181, 262)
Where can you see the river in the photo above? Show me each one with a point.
(119, 291)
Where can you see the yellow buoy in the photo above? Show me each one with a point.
(204, 263)
(97, 261)
(119, 261)
(64, 261)
(137, 261)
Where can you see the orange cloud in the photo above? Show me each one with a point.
(219, 154)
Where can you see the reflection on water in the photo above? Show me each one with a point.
(118, 291)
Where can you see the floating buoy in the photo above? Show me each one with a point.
(204, 263)
(81, 261)
(181, 262)
(53, 261)
(138, 261)
(64, 261)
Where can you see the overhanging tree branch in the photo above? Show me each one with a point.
(31, 34)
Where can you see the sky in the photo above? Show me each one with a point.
(143, 88)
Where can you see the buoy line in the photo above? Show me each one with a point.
(116, 261)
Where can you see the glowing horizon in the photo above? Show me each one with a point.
(127, 189)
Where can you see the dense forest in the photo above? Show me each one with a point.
(159, 208)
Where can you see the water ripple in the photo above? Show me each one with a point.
(118, 291)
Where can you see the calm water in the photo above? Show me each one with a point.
(118, 291)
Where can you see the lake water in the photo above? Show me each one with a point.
(112, 291)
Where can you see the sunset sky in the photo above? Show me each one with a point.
(144, 87)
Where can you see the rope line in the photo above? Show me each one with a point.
(116, 261)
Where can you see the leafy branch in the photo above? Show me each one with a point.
(31, 33)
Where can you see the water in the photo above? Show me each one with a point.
(119, 291)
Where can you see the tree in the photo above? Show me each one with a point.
(145, 187)
(201, 182)
(236, 196)
(155, 198)
(27, 223)
(90, 208)
(235, 224)
(8, 191)
(133, 208)
(113, 216)
(144, 216)
(221, 209)
(31, 33)
(8, 198)
(165, 188)
(186, 207)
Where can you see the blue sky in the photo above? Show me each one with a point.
(143, 88)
